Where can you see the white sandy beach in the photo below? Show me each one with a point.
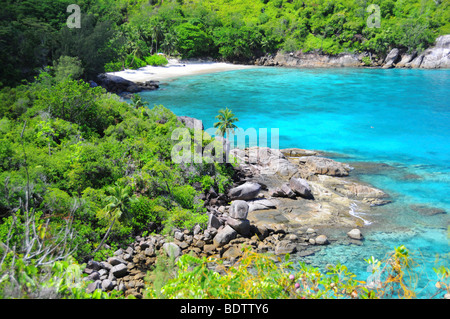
(175, 69)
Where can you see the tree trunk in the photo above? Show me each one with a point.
(105, 237)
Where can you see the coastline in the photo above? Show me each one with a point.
(175, 69)
(147, 78)
(302, 226)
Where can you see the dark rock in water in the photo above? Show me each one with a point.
(119, 85)
(428, 211)
(355, 234)
(411, 177)
(149, 85)
(371, 168)
(305, 252)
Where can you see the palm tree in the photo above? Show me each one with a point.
(116, 208)
(225, 126)
(136, 101)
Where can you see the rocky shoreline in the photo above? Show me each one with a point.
(435, 57)
(282, 202)
(123, 87)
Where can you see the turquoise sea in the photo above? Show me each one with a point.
(392, 125)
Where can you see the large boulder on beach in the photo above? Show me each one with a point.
(406, 58)
(246, 191)
(324, 166)
(437, 56)
(285, 247)
(239, 209)
(282, 191)
(117, 84)
(172, 249)
(301, 187)
(241, 226)
(393, 57)
(224, 236)
(260, 204)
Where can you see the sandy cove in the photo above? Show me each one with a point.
(175, 69)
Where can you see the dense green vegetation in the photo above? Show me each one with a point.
(258, 276)
(71, 151)
(118, 34)
(82, 173)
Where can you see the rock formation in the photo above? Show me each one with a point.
(119, 85)
(309, 60)
(313, 195)
(434, 57)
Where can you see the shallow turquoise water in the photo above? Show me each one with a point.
(397, 117)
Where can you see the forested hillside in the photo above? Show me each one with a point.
(118, 34)
(83, 173)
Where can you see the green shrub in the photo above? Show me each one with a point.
(264, 276)
(114, 66)
(184, 219)
(184, 195)
(145, 211)
(67, 67)
(58, 202)
(156, 60)
(367, 61)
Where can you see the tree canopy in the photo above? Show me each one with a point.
(123, 34)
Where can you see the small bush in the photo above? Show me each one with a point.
(144, 212)
(156, 60)
(184, 219)
(366, 60)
